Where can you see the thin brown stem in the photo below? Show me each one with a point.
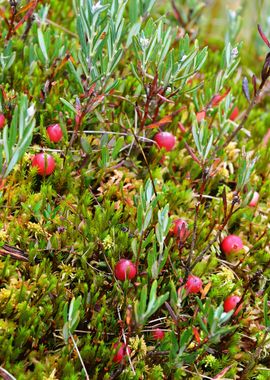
(252, 104)
(200, 257)
(177, 14)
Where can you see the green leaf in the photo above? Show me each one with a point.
(147, 218)
(68, 105)
(143, 299)
(21, 149)
(134, 30)
(75, 75)
(118, 146)
(140, 218)
(202, 324)
(266, 311)
(42, 44)
(184, 340)
(85, 146)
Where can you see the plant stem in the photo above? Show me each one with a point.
(126, 342)
(79, 355)
(199, 258)
(252, 104)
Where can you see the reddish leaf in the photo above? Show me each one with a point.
(266, 68)
(190, 151)
(25, 8)
(221, 374)
(234, 114)
(165, 120)
(196, 334)
(200, 115)
(27, 15)
(165, 99)
(13, 252)
(181, 127)
(264, 38)
(206, 290)
(218, 98)
(266, 137)
(254, 82)
(2, 14)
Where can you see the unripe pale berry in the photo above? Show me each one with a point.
(165, 140)
(180, 229)
(44, 162)
(230, 304)
(121, 353)
(194, 284)
(231, 244)
(2, 121)
(125, 269)
(54, 132)
(158, 334)
(254, 199)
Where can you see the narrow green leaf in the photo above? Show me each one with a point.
(68, 105)
(42, 44)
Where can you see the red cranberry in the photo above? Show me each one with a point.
(254, 199)
(158, 334)
(121, 353)
(180, 229)
(44, 163)
(194, 284)
(231, 244)
(165, 140)
(125, 269)
(55, 132)
(230, 304)
(2, 121)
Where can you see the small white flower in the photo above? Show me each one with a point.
(233, 14)
(234, 52)
(184, 57)
(31, 111)
(96, 6)
(144, 42)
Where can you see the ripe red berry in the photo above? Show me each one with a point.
(54, 132)
(180, 229)
(158, 334)
(2, 121)
(194, 284)
(165, 140)
(125, 269)
(254, 199)
(230, 304)
(44, 163)
(234, 114)
(121, 353)
(231, 244)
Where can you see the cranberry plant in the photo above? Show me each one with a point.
(134, 157)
